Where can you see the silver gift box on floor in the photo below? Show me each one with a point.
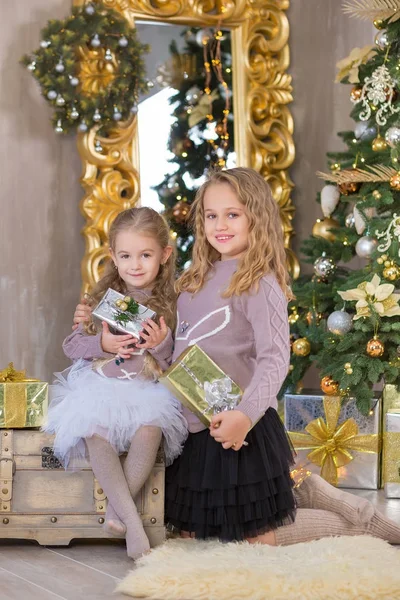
(106, 310)
(391, 454)
(363, 472)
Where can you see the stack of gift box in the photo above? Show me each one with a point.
(349, 449)
(23, 401)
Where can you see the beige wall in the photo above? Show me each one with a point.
(40, 221)
(41, 246)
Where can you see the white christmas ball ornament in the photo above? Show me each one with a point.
(392, 136)
(330, 196)
(366, 246)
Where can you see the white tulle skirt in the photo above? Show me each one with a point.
(84, 403)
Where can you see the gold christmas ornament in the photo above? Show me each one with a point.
(123, 305)
(349, 371)
(391, 273)
(349, 187)
(378, 23)
(347, 365)
(355, 93)
(313, 317)
(395, 181)
(379, 144)
(377, 195)
(322, 227)
(329, 386)
(291, 367)
(301, 347)
(180, 211)
(293, 317)
(127, 299)
(375, 348)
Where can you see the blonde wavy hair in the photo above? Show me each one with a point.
(142, 221)
(265, 252)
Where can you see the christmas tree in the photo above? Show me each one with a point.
(202, 133)
(348, 320)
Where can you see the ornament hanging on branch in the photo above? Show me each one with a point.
(366, 246)
(329, 386)
(85, 74)
(301, 347)
(375, 348)
(322, 228)
(324, 267)
(392, 136)
(330, 196)
(340, 322)
(379, 91)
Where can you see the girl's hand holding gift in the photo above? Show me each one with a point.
(82, 314)
(230, 428)
(153, 334)
(116, 344)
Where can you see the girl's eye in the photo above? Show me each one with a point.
(209, 216)
(125, 256)
(146, 255)
(233, 215)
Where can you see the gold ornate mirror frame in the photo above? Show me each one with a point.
(263, 125)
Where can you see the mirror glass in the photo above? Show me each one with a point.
(185, 121)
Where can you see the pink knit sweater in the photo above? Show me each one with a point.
(247, 336)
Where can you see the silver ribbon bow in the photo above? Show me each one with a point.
(219, 397)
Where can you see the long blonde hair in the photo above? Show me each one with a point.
(145, 221)
(265, 252)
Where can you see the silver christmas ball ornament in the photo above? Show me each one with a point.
(58, 127)
(392, 136)
(366, 246)
(98, 147)
(60, 100)
(134, 109)
(117, 115)
(74, 81)
(364, 132)
(123, 42)
(324, 267)
(74, 114)
(97, 116)
(108, 55)
(349, 220)
(82, 127)
(382, 39)
(95, 41)
(150, 84)
(60, 66)
(32, 66)
(193, 94)
(339, 322)
(45, 43)
(203, 36)
(89, 9)
(52, 95)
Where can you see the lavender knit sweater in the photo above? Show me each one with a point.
(247, 336)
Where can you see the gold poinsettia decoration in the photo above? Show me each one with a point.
(96, 73)
(372, 295)
(348, 67)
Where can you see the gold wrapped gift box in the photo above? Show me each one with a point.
(391, 454)
(23, 401)
(186, 379)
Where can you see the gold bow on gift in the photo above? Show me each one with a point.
(11, 375)
(331, 443)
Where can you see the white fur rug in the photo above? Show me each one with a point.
(344, 568)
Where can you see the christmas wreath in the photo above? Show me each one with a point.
(90, 68)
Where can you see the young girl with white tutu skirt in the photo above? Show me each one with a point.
(109, 401)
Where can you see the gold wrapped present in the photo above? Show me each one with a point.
(391, 454)
(200, 385)
(23, 401)
(335, 440)
(391, 398)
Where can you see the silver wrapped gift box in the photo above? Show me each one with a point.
(391, 454)
(107, 310)
(335, 440)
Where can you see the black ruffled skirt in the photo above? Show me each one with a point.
(212, 492)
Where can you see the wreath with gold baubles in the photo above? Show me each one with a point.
(90, 68)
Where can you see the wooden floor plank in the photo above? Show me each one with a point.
(14, 587)
(69, 579)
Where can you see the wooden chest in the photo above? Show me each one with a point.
(39, 500)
